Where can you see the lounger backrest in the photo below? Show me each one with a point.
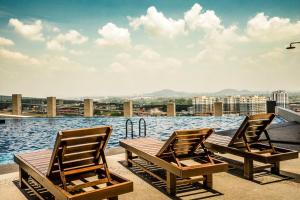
(252, 128)
(185, 142)
(78, 148)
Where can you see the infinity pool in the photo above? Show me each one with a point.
(27, 134)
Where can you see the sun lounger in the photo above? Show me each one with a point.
(252, 142)
(183, 156)
(75, 169)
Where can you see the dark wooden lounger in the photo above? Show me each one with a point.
(75, 169)
(183, 155)
(248, 142)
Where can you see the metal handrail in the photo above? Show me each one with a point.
(127, 121)
(145, 126)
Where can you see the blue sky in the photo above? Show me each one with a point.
(77, 48)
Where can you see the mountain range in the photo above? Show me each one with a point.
(225, 92)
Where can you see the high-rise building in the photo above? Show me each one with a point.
(281, 97)
(204, 104)
(231, 104)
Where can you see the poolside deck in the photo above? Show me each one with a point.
(226, 185)
(229, 185)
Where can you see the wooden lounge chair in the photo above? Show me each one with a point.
(248, 142)
(183, 156)
(75, 169)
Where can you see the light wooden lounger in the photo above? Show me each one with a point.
(75, 169)
(183, 155)
(248, 142)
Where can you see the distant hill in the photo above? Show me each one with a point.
(169, 93)
(225, 92)
(232, 92)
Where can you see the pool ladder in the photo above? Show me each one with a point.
(142, 121)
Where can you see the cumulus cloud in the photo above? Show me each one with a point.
(196, 20)
(142, 58)
(71, 37)
(6, 42)
(30, 31)
(112, 35)
(265, 28)
(157, 24)
(17, 56)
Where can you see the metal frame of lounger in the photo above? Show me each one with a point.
(248, 143)
(182, 146)
(76, 168)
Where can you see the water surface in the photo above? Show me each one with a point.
(27, 134)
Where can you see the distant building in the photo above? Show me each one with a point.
(204, 104)
(281, 98)
(231, 104)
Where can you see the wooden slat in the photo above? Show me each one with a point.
(81, 155)
(189, 180)
(85, 131)
(85, 169)
(83, 140)
(88, 184)
(196, 135)
(77, 138)
(147, 171)
(32, 189)
(82, 147)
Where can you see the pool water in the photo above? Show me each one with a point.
(27, 134)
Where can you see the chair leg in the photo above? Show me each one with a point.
(248, 168)
(208, 181)
(128, 156)
(23, 175)
(275, 169)
(171, 183)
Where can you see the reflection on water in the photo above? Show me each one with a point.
(18, 135)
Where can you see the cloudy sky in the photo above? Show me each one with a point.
(87, 48)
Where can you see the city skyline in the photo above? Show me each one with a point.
(120, 48)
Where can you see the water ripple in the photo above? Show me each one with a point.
(27, 134)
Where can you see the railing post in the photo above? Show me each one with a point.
(51, 106)
(16, 104)
(171, 109)
(88, 108)
(127, 108)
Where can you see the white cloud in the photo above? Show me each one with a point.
(6, 42)
(111, 35)
(17, 56)
(71, 37)
(215, 40)
(55, 29)
(263, 28)
(157, 24)
(55, 45)
(150, 54)
(29, 31)
(206, 21)
(141, 58)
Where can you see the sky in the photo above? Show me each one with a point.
(124, 47)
